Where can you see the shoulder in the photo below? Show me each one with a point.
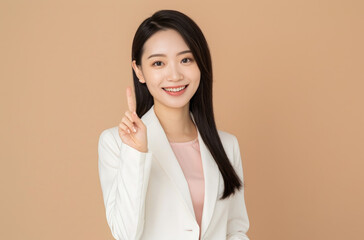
(226, 137)
(110, 137)
(230, 144)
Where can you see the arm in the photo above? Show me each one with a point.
(238, 222)
(124, 174)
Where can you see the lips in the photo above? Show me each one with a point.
(175, 88)
(177, 91)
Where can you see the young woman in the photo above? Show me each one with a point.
(166, 172)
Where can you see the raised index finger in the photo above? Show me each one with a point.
(130, 99)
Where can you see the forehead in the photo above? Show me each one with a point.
(165, 42)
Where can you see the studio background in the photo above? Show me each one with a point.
(288, 82)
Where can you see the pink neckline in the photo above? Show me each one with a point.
(184, 143)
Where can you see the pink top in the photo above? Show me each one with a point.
(189, 158)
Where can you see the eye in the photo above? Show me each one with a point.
(157, 63)
(186, 60)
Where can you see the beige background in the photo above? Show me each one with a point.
(288, 83)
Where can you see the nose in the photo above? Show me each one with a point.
(174, 73)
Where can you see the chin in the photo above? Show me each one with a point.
(174, 105)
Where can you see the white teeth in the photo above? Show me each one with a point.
(174, 89)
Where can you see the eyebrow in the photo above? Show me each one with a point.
(163, 55)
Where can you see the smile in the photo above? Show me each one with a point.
(177, 89)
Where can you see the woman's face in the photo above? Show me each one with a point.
(169, 69)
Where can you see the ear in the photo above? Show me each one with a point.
(138, 71)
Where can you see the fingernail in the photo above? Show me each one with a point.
(128, 131)
(134, 129)
(134, 113)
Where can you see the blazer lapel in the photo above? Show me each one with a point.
(211, 175)
(162, 151)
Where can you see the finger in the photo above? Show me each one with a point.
(128, 123)
(129, 115)
(124, 129)
(130, 99)
(137, 120)
(132, 138)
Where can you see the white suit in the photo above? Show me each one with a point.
(146, 195)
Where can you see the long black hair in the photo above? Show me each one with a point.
(201, 103)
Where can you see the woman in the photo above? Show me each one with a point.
(166, 172)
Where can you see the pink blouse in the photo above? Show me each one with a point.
(189, 158)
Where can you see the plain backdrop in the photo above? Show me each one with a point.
(288, 82)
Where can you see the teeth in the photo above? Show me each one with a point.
(175, 89)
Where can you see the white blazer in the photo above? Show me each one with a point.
(146, 195)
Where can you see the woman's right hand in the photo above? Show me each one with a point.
(137, 138)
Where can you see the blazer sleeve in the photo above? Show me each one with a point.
(238, 222)
(124, 174)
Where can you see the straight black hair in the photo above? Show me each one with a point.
(201, 103)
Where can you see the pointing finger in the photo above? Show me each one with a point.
(130, 99)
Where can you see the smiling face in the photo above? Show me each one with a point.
(169, 69)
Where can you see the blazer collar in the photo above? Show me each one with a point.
(162, 151)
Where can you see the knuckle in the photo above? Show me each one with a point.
(128, 122)
(128, 114)
(125, 120)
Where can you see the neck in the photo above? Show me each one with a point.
(176, 122)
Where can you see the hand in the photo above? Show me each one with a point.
(132, 130)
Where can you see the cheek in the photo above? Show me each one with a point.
(153, 81)
(195, 74)
(153, 77)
